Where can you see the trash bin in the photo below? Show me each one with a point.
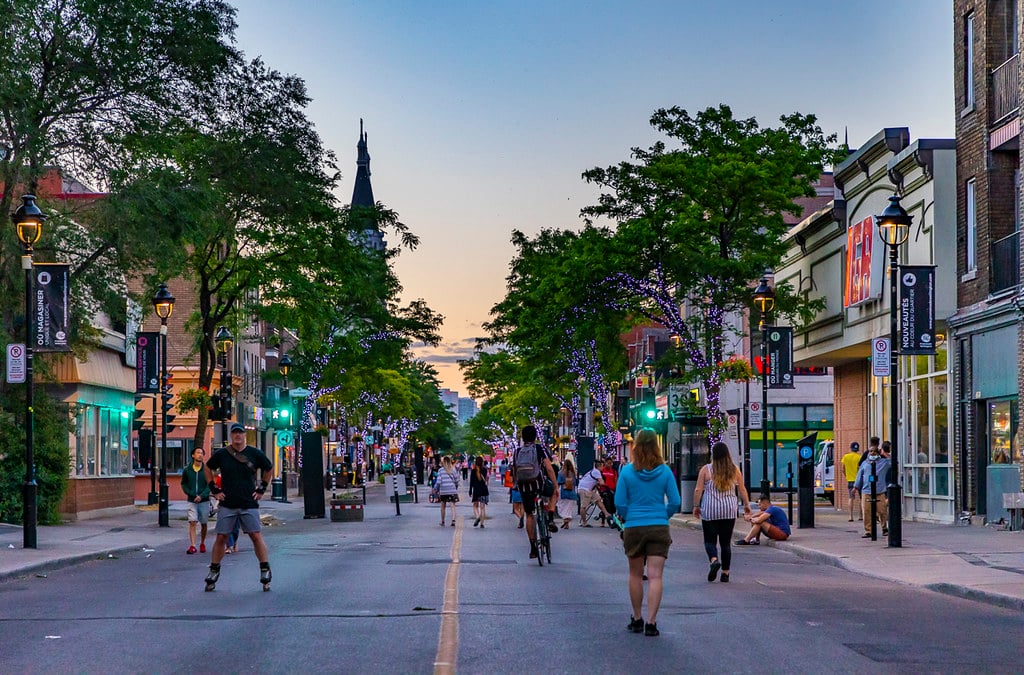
(347, 507)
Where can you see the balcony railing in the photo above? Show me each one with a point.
(1004, 270)
(1005, 89)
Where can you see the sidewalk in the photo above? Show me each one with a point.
(133, 529)
(974, 562)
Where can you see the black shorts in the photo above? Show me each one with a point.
(529, 501)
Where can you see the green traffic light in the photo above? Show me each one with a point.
(285, 413)
(651, 414)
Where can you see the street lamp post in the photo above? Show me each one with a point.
(163, 304)
(284, 366)
(28, 221)
(224, 341)
(894, 227)
(764, 299)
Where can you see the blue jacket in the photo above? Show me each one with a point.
(863, 480)
(640, 496)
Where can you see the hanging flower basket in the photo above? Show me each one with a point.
(321, 429)
(193, 399)
(736, 369)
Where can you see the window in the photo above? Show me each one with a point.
(969, 61)
(972, 229)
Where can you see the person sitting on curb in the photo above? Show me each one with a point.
(771, 522)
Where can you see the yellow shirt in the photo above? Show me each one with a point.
(851, 462)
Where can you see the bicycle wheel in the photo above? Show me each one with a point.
(543, 535)
(537, 533)
(588, 513)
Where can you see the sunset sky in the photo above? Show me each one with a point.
(481, 116)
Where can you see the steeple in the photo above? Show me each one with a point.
(362, 194)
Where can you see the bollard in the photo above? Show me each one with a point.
(873, 479)
(398, 506)
(789, 490)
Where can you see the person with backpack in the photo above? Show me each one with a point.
(530, 464)
(447, 486)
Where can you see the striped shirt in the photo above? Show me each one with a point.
(446, 483)
(718, 505)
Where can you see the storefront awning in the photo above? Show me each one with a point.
(103, 369)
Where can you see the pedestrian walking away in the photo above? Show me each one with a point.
(479, 492)
(646, 497)
(197, 492)
(771, 522)
(531, 463)
(568, 499)
(715, 504)
(851, 462)
(239, 463)
(447, 486)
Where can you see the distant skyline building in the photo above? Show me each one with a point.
(467, 409)
(451, 401)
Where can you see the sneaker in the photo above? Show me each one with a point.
(202, 548)
(724, 578)
(476, 523)
(866, 535)
(742, 542)
(520, 523)
(651, 630)
(481, 526)
(712, 572)
(885, 531)
(635, 625)
(533, 551)
(191, 550)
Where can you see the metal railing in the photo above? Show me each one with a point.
(1003, 270)
(1005, 89)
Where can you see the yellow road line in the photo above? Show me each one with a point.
(448, 639)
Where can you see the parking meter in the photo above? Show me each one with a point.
(805, 478)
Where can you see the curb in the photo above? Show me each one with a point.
(68, 561)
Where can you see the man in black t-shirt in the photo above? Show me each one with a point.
(239, 499)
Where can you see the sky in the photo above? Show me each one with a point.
(482, 115)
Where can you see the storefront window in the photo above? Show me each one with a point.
(1002, 428)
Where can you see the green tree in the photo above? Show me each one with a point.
(703, 219)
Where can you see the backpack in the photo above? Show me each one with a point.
(527, 463)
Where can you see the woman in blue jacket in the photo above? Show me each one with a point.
(646, 496)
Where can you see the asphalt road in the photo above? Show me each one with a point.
(370, 598)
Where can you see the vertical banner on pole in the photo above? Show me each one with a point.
(50, 310)
(917, 309)
(780, 357)
(147, 363)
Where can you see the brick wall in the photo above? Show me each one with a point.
(851, 418)
(90, 494)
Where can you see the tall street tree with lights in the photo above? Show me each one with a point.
(701, 215)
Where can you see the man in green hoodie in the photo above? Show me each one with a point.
(193, 484)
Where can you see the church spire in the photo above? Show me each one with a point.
(362, 194)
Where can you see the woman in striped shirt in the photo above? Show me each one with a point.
(716, 505)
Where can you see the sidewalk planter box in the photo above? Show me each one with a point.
(347, 507)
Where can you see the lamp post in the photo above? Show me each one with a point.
(163, 304)
(28, 221)
(224, 341)
(894, 227)
(764, 299)
(283, 367)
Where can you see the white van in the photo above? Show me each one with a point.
(825, 471)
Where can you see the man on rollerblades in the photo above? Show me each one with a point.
(239, 500)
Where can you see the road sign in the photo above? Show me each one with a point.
(733, 425)
(756, 415)
(16, 363)
(299, 392)
(284, 438)
(880, 357)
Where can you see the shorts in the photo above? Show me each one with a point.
(482, 499)
(849, 488)
(529, 502)
(199, 513)
(249, 519)
(646, 540)
(773, 532)
(448, 499)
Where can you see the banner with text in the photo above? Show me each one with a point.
(780, 357)
(917, 309)
(50, 307)
(147, 362)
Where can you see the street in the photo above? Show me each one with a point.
(370, 597)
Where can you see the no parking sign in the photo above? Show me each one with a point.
(880, 357)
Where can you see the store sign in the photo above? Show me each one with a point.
(147, 362)
(917, 309)
(864, 272)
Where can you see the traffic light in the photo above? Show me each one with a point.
(281, 416)
(166, 396)
(215, 413)
(138, 422)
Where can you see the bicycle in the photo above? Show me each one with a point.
(542, 535)
(593, 508)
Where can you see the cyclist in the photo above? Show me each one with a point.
(530, 463)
